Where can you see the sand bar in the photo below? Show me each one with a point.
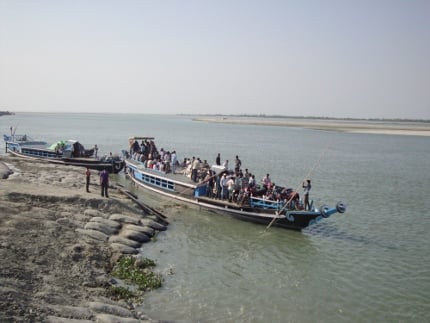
(405, 128)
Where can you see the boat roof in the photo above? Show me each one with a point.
(142, 138)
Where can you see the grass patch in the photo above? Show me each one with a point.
(118, 292)
(136, 271)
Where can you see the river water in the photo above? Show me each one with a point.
(370, 264)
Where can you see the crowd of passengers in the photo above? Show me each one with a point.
(147, 153)
(229, 185)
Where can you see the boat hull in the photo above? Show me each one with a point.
(112, 166)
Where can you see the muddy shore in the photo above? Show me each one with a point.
(59, 243)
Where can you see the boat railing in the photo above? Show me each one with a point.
(265, 203)
(14, 138)
(200, 191)
(143, 166)
(22, 138)
(35, 152)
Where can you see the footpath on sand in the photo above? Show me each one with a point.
(59, 243)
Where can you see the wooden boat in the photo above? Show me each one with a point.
(285, 211)
(69, 152)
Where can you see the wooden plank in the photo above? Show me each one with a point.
(144, 207)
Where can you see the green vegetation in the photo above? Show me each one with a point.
(135, 271)
(118, 292)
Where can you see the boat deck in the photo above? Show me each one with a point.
(224, 203)
(177, 177)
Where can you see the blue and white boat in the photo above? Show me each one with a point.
(65, 152)
(275, 206)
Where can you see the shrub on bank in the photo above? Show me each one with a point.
(135, 271)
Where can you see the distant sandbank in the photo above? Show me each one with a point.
(405, 128)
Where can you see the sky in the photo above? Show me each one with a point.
(327, 58)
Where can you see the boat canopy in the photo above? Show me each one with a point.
(73, 147)
(141, 138)
(59, 145)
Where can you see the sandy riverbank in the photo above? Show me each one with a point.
(59, 243)
(353, 126)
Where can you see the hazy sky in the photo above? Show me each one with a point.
(342, 58)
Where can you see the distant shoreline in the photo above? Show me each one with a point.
(6, 113)
(391, 127)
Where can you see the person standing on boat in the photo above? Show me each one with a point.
(267, 182)
(218, 160)
(143, 147)
(223, 185)
(195, 169)
(88, 177)
(225, 164)
(251, 183)
(237, 165)
(104, 182)
(307, 187)
(230, 188)
(246, 176)
(96, 149)
(174, 161)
